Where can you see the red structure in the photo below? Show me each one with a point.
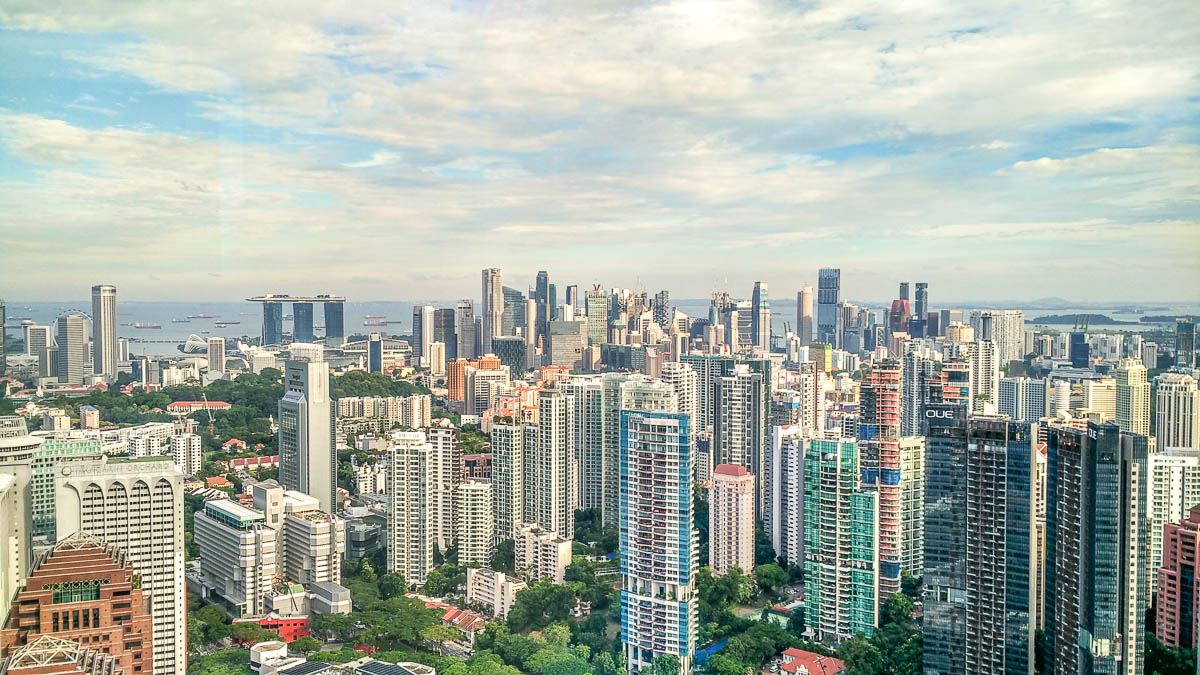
(85, 592)
(288, 627)
(1177, 588)
(798, 661)
(879, 437)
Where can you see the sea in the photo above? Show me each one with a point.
(243, 320)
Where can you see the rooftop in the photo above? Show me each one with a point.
(730, 470)
(274, 297)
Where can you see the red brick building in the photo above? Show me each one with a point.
(1177, 588)
(86, 592)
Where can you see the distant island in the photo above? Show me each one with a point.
(1168, 318)
(1092, 319)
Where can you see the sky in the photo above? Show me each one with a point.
(388, 150)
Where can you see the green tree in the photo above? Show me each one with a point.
(504, 557)
(557, 635)
(251, 633)
(1163, 660)
(861, 657)
(366, 571)
(664, 664)
(770, 577)
(897, 608)
(540, 605)
(304, 645)
(438, 634)
(392, 584)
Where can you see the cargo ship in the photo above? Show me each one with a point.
(146, 326)
(204, 316)
(375, 316)
(181, 320)
(375, 323)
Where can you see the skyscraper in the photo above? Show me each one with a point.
(731, 522)
(587, 394)
(1023, 399)
(912, 504)
(474, 527)
(514, 311)
(508, 478)
(985, 374)
(422, 331)
(804, 314)
(1177, 412)
(1097, 587)
(375, 353)
(409, 544)
(1079, 351)
(1174, 479)
(37, 338)
(216, 355)
(627, 392)
(307, 452)
(71, 330)
(443, 331)
(445, 476)
(879, 443)
(1133, 397)
(980, 544)
(302, 322)
(554, 481)
(466, 330)
(335, 324)
(104, 330)
(545, 306)
(829, 295)
(841, 543)
(18, 452)
(493, 307)
(659, 543)
(918, 324)
(597, 316)
(1004, 327)
(783, 512)
(1185, 343)
(272, 327)
(760, 318)
(137, 506)
(739, 422)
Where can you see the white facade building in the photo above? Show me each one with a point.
(1133, 397)
(475, 526)
(541, 554)
(409, 540)
(186, 453)
(1177, 413)
(238, 554)
(137, 506)
(307, 454)
(494, 590)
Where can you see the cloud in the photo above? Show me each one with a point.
(747, 135)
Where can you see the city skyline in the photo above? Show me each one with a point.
(366, 148)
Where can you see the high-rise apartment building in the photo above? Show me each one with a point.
(138, 507)
(683, 379)
(1177, 411)
(508, 478)
(912, 504)
(708, 368)
(985, 375)
(307, 451)
(216, 355)
(659, 543)
(1098, 396)
(238, 554)
(1174, 479)
(553, 478)
(1097, 589)
(1176, 597)
(804, 314)
(493, 307)
(18, 455)
(71, 335)
(783, 512)
(1023, 399)
(739, 422)
(841, 543)
(474, 529)
(980, 543)
(731, 520)
(104, 330)
(587, 394)
(829, 295)
(1005, 328)
(446, 471)
(539, 553)
(186, 452)
(879, 445)
(409, 541)
(1133, 397)
(627, 392)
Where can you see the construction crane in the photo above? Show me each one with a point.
(211, 424)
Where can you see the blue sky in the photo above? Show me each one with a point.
(383, 151)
